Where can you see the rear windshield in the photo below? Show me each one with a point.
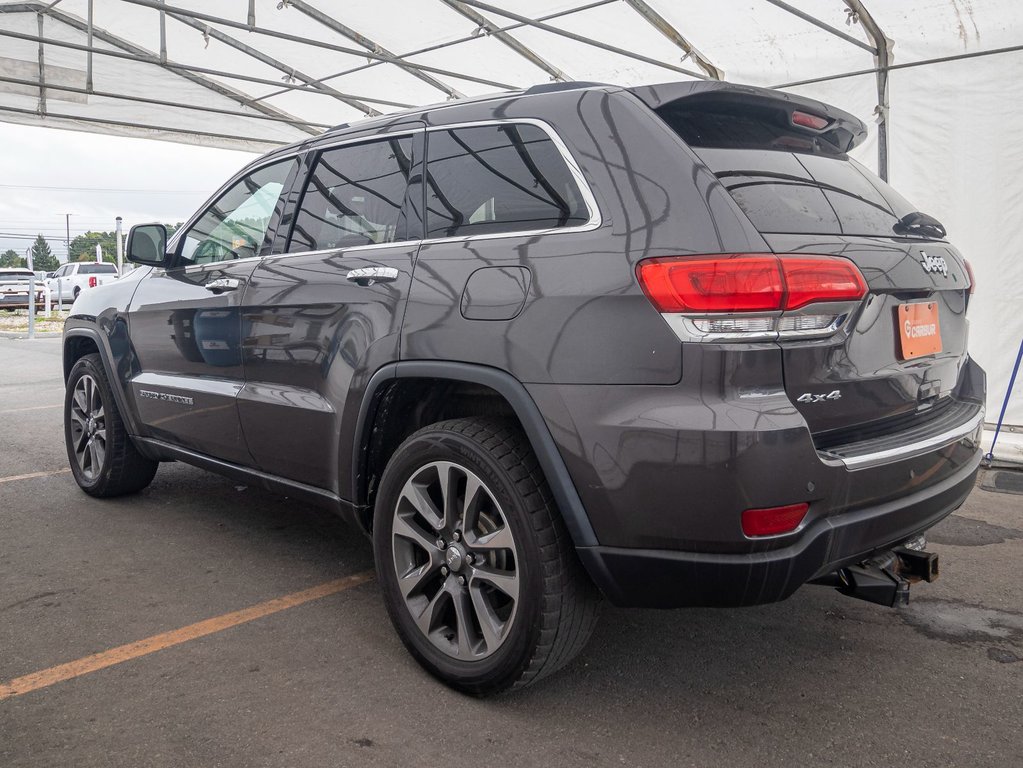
(97, 269)
(15, 277)
(785, 188)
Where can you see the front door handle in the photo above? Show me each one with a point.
(370, 275)
(222, 284)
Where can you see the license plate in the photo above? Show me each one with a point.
(919, 329)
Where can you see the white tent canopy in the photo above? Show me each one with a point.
(936, 76)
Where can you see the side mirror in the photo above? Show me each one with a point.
(147, 244)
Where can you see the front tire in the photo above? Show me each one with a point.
(103, 458)
(478, 572)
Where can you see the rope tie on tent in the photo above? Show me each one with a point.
(851, 17)
(289, 78)
(206, 36)
(989, 457)
(283, 4)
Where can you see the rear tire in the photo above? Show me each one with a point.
(103, 458)
(487, 593)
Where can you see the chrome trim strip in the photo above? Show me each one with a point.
(912, 449)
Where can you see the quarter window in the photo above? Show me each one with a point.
(355, 197)
(235, 226)
(500, 178)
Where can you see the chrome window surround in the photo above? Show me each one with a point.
(595, 219)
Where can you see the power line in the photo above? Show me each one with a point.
(111, 189)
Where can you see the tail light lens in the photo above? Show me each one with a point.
(766, 290)
(773, 520)
(969, 272)
(92, 281)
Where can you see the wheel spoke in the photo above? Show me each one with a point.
(80, 397)
(425, 619)
(414, 579)
(492, 627)
(503, 581)
(95, 455)
(447, 480)
(406, 529)
(416, 495)
(474, 491)
(500, 539)
(463, 617)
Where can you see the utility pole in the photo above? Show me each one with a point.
(67, 231)
(120, 248)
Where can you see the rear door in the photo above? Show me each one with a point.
(185, 323)
(322, 317)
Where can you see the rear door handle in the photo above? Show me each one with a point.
(222, 284)
(370, 275)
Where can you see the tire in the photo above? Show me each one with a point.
(524, 607)
(103, 458)
(78, 290)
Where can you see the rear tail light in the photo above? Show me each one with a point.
(773, 521)
(92, 281)
(751, 296)
(969, 272)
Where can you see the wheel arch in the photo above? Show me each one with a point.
(79, 341)
(371, 447)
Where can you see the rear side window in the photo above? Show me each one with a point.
(498, 178)
(97, 269)
(354, 197)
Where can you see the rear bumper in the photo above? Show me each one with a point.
(670, 579)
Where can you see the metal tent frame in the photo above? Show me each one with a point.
(237, 89)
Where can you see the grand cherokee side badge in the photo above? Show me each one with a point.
(934, 264)
(809, 397)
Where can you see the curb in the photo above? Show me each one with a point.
(24, 334)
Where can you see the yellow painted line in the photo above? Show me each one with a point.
(33, 408)
(58, 674)
(30, 475)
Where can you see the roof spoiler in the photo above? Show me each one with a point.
(842, 129)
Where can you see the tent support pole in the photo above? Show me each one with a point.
(88, 56)
(485, 25)
(663, 26)
(42, 68)
(882, 61)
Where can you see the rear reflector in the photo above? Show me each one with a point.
(773, 520)
(746, 282)
(969, 272)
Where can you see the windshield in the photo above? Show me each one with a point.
(14, 277)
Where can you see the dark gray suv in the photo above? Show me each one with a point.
(668, 344)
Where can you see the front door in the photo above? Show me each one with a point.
(185, 320)
(322, 317)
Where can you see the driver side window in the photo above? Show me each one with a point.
(235, 226)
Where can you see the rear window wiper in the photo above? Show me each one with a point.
(918, 223)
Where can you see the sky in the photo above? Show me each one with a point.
(47, 172)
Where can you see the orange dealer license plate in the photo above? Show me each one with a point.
(919, 330)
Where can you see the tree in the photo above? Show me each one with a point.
(83, 247)
(10, 258)
(42, 257)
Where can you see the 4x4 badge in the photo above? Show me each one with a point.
(934, 264)
(809, 397)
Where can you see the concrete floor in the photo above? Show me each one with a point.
(817, 680)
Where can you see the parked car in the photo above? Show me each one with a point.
(72, 278)
(14, 288)
(670, 345)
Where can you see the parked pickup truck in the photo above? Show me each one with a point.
(72, 278)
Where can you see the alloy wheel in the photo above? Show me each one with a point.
(88, 427)
(456, 560)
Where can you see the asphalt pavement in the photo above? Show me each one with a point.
(323, 681)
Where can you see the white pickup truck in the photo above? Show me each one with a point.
(74, 277)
